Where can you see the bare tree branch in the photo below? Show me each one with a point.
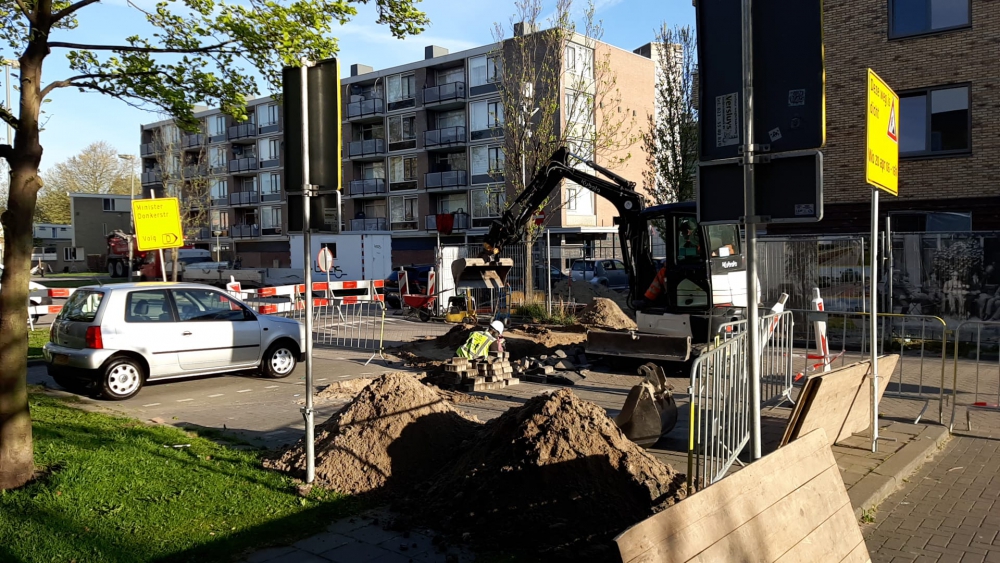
(70, 9)
(73, 81)
(7, 117)
(24, 9)
(131, 49)
(6, 151)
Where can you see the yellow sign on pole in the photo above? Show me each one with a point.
(157, 223)
(882, 150)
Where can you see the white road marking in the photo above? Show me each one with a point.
(272, 387)
(321, 379)
(244, 390)
(184, 400)
(216, 395)
(152, 405)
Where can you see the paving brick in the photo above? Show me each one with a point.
(266, 555)
(356, 552)
(373, 534)
(323, 542)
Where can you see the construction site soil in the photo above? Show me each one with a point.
(605, 313)
(553, 477)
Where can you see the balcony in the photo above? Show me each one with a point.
(445, 95)
(442, 180)
(272, 232)
(147, 149)
(219, 200)
(243, 166)
(366, 149)
(270, 196)
(375, 224)
(366, 109)
(193, 141)
(373, 186)
(243, 199)
(444, 138)
(151, 177)
(242, 131)
(460, 222)
(245, 231)
(273, 162)
(203, 234)
(266, 128)
(192, 171)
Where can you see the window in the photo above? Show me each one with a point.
(82, 306)
(934, 122)
(572, 195)
(220, 220)
(148, 307)
(489, 202)
(268, 114)
(487, 159)
(401, 88)
(723, 240)
(688, 240)
(403, 213)
(452, 203)
(197, 305)
(579, 200)
(402, 132)
(270, 217)
(454, 118)
(373, 170)
(373, 208)
(913, 17)
(216, 125)
(487, 115)
(171, 135)
(268, 149)
(402, 172)
(217, 157)
(369, 132)
(579, 59)
(248, 184)
(71, 254)
(579, 108)
(270, 186)
(451, 161)
(112, 204)
(450, 75)
(484, 69)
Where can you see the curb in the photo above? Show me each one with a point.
(885, 479)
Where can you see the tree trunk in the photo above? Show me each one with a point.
(16, 455)
(529, 273)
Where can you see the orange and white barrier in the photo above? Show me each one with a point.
(819, 325)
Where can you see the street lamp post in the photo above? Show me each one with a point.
(130, 158)
(217, 233)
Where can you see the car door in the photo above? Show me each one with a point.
(620, 277)
(150, 329)
(220, 332)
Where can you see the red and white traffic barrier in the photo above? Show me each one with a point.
(294, 292)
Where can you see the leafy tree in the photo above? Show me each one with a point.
(549, 100)
(192, 51)
(671, 137)
(97, 169)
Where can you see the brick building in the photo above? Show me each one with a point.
(940, 57)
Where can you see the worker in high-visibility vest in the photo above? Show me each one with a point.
(686, 239)
(481, 342)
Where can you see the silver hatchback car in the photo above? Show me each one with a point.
(116, 337)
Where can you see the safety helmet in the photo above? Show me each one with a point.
(497, 326)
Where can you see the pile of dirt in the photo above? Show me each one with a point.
(394, 433)
(605, 313)
(584, 292)
(555, 476)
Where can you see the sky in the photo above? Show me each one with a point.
(74, 119)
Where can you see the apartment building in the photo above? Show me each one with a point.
(425, 139)
(941, 58)
(244, 203)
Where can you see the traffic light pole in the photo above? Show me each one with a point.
(307, 193)
(750, 221)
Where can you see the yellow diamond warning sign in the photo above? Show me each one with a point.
(157, 223)
(882, 147)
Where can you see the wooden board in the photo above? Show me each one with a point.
(838, 401)
(788, 506)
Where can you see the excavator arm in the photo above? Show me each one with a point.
(489, 269)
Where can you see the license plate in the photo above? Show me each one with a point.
(60, 359)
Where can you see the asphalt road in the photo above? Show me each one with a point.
(259, 411)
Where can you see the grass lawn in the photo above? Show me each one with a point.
(36, 339)
(118, 490)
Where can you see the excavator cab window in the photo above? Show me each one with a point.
(724, 240)
(688, 240)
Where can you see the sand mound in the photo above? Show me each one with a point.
(585, 292)
(394, 433)
(553, 475)
(605, 313)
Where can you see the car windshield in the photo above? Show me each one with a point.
(82, 306)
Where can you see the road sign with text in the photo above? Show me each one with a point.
(157, 223)
(882, 150)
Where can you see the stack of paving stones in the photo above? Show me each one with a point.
(560, 368)
(486, 374)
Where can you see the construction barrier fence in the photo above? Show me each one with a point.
(975, 372)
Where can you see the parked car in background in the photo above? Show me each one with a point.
(115, 338)
(607, 272)
(417, 276)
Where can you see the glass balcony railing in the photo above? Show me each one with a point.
(446, 136)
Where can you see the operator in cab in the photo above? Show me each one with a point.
(481, 342)
(688, 243)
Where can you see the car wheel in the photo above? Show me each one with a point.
(279, 361)
(111, 268)
(122, 379)
(119, 269)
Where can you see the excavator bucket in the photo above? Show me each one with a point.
(649, 411)
(642, 345)
(478, 273)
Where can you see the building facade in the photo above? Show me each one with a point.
(419, 140)
(94, 217)
(940, 57)
(231, 175)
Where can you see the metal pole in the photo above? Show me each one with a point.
(307, 412)
(10, 131)
(548, 267)
(163, 265)
(131, 212)
(874, 320)
(750, 221)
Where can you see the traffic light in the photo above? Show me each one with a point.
(324, 145)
